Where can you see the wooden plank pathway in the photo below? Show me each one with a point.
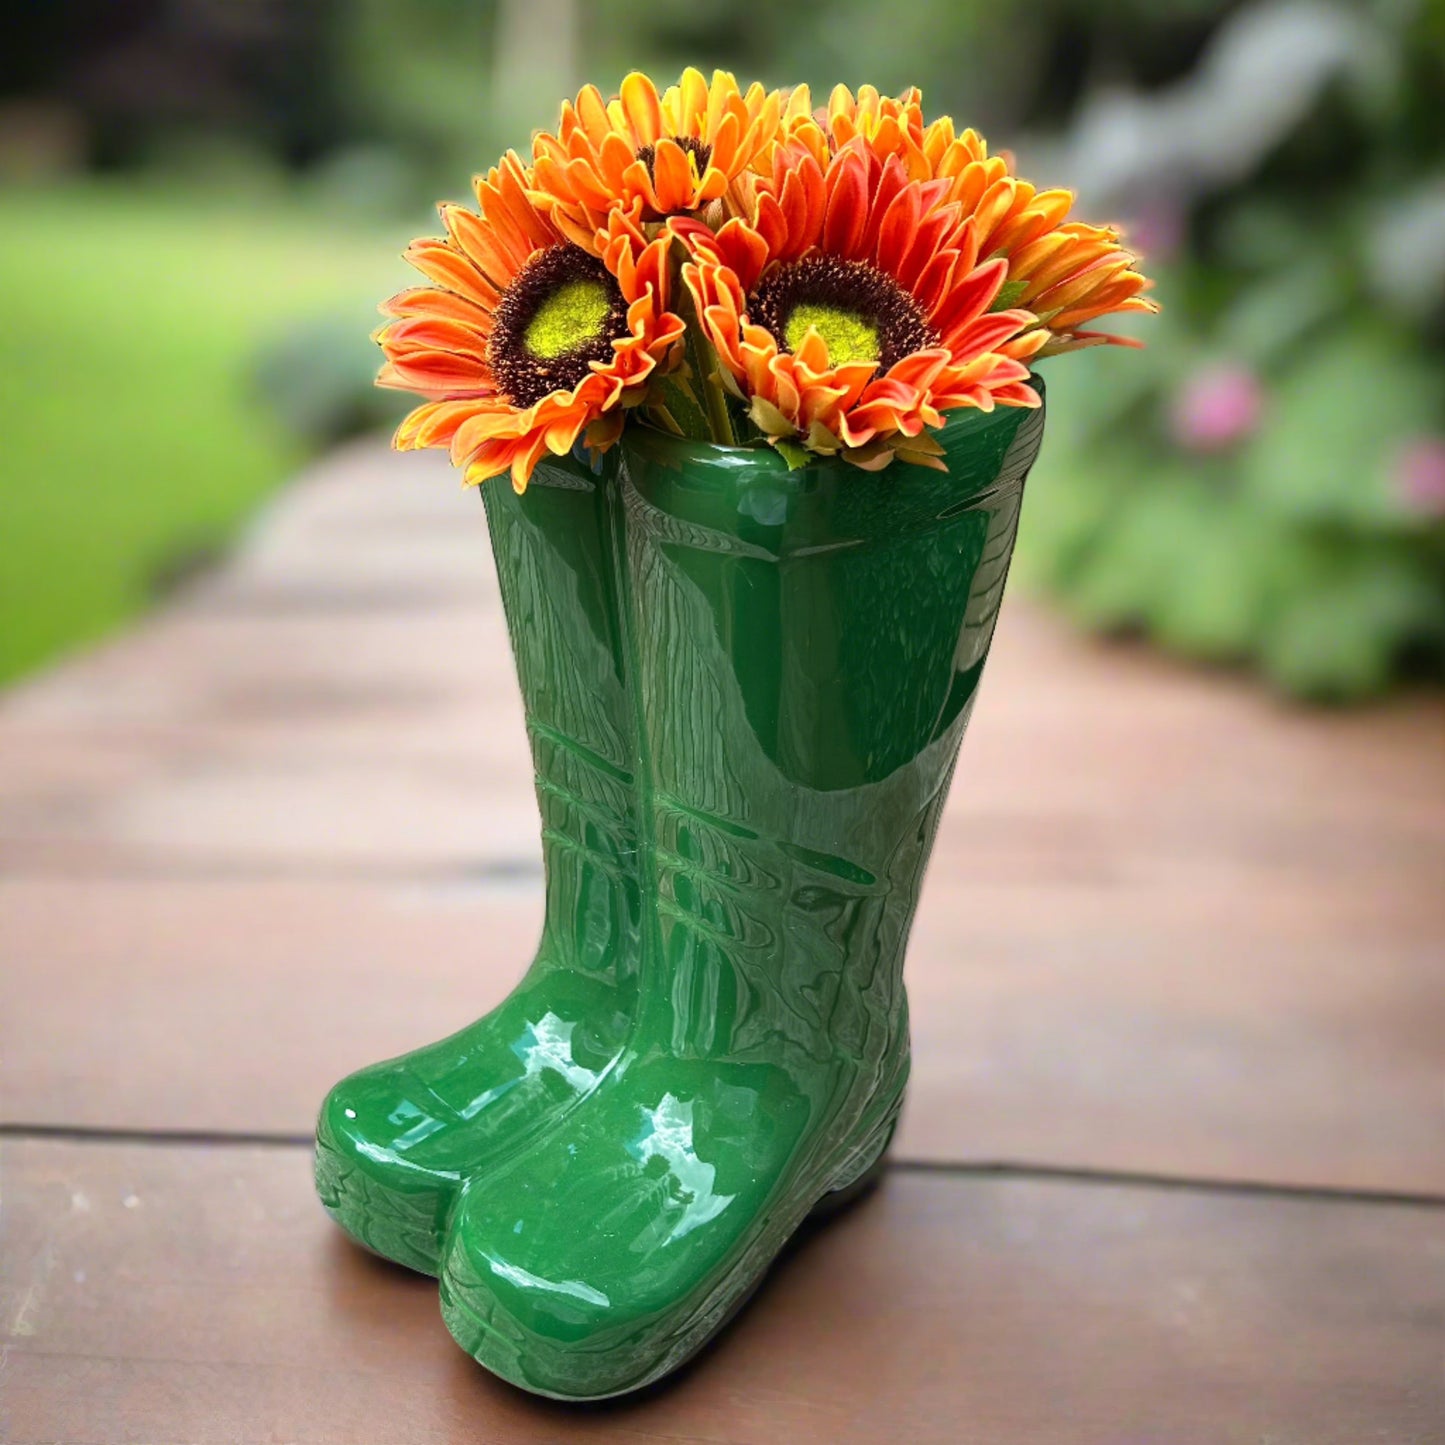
(1173, 1168)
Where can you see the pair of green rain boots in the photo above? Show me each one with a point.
(745, 689)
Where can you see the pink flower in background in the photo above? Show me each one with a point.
(1217, 408)
(1419, 475)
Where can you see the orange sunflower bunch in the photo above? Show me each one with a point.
(830, 282)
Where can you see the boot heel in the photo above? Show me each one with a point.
(864, 1171)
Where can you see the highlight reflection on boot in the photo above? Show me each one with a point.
(667, 1135)
(546, 1044)
(571, 1288)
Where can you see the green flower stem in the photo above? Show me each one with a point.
(714, 398)
(703, 363)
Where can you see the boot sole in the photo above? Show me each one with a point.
(366, 1213)
(870, 1160)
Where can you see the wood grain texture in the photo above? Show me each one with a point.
(1290, 1047)
(180, 1294)
(226, 1006)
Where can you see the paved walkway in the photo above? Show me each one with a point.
(1173, 1168)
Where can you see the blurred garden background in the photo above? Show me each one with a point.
(203, 200)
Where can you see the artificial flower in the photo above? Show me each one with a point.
(651, 156)
(522, 341)
(849, 310)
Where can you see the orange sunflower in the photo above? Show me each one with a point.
(850, 311)
(1066, 272)
(652, 156)
(522, 341)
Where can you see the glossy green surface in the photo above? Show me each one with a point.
(802, 651)
(395, 1140)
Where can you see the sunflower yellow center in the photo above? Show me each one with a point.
(848, 336)
(569, 318)
(863, 315)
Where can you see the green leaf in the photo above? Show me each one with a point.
(924, 444)
(768, 419)
(1214, 602)
(1009, 293)
(1339, 630)
(792, 453)
(677, 396)
(1126, 577)
(822, 441)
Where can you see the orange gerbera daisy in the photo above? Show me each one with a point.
(1067, 272)
(653, 156)
(522, 341)
(850, 312)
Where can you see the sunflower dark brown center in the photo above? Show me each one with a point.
(699, 150)
(562, 311)
(861, 313)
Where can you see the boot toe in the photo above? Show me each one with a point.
(603, 1257)
(553, 1333)
(368, 1175)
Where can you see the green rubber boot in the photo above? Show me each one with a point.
(806, 650)
(394, 1141)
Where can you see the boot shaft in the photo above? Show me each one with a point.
(555, 552)
(807, 649)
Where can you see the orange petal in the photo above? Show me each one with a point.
(429, 301)
(847, 213)
(640, 105)
(592, 114)
(448, 267)
(692, 99)
(672, 177)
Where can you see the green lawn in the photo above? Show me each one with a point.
(132, 444)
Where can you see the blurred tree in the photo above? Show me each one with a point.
(1268, 486)
(137, 70)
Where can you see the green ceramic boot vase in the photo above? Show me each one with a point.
(804, 652)
(395, 1140)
